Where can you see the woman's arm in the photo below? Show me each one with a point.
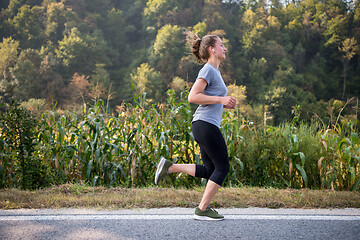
(196, 96)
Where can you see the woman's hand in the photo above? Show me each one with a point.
(229, 102)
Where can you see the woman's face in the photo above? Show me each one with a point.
(219, 49)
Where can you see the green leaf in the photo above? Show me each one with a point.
(240, 163)
(89, 166)
(302, 157)
(348, 154)
(324, 136)
(356, 185)
(97, 154)
(354, 138)
(357, 151)
(342, 142)
(287, 183)
(92, 144)
(303, 174)
(353, 175)
(295, 138)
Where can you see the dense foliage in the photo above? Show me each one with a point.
(284, 52)
(123, 150)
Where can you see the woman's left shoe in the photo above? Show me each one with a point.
(162, 169)
(209, 214)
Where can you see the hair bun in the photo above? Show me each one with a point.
(200, 46)
(195, 43)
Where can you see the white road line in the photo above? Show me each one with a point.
(172, 217)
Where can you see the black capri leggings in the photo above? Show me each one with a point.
(213, 152)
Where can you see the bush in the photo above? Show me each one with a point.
(19, 159)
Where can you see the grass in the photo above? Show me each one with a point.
(82, 196)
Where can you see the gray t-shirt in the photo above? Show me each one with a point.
(211, 113)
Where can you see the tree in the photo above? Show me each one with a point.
(100, 84)
(213, 14)
(310, 34)
(98, 6)
(349, 49)
(258, 28)
(5, 27)
(55, 90)
(25, 73)
(80, 52)
(239, 92)
(200, 29)
(4, 4)
(73, 52)
(321, 79)
(114, 29)
(256, 84)
(9, 49)
(56, 17)
(79, 86)
(336, 30)
(155, 11)
(168, 42)
(14, 6)
(78, 6)
(28, 26)
(272, 45)
(147, 79)
(167, 51)
(356, 21)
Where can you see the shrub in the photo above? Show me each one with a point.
(19, 159)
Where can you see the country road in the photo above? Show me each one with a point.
(177, 223)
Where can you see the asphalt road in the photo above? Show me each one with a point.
(177, 223)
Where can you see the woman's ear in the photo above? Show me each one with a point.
(211, 49)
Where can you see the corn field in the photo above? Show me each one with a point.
(123, 149)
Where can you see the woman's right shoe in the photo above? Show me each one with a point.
(162, 169)
(209, 214)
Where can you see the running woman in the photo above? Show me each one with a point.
(210, 93)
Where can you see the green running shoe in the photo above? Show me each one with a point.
(162, 169)
(209, 214)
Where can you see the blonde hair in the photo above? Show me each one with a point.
(200, 46)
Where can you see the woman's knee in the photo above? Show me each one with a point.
(203, 171)
(220, 174)
(224, 171)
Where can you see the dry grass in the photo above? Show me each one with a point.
(81, 196)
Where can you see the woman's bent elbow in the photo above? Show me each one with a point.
(190, 99)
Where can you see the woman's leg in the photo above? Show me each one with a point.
(211, 187)
(210, 191)
(215, 157)
(183, 168)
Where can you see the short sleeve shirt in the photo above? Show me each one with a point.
(211, 113)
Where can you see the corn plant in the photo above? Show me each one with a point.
(294, 154)
(122, 149)
(340, 161)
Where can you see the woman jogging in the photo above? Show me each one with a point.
(210, 92)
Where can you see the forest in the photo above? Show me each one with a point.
(280, 53)
(96, 91)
